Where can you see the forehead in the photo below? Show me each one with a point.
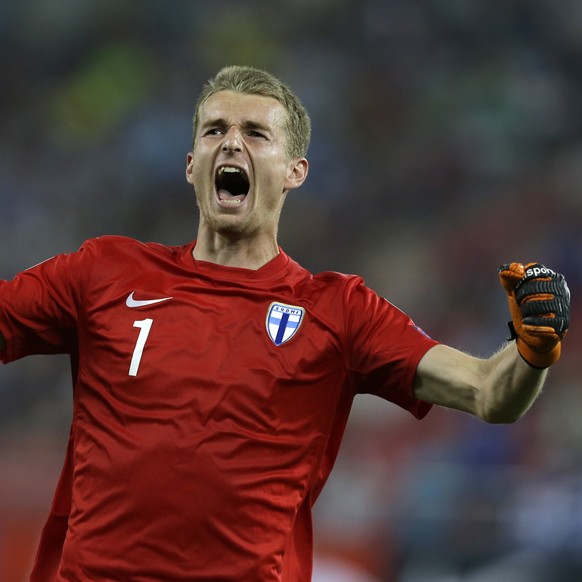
(243, 108)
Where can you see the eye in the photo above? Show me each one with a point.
(255, 133)
(214, 131)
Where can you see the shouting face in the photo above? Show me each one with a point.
(239, 166)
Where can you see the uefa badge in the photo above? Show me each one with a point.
(283, 321)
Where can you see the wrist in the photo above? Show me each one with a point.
(538, 360)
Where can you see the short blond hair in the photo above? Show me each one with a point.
(254, 81)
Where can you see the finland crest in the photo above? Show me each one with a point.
(283, 321)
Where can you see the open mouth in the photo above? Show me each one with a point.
(232, 185)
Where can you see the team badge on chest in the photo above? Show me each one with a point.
(283, 321)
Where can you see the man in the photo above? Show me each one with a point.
(213, 381)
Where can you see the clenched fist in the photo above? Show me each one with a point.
(539, 303)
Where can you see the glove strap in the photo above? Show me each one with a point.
(512, 332)
(539, 361)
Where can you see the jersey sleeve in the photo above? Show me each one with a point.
(39, 308)
(384, 347)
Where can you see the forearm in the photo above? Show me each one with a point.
(497, 389)
(508, 386)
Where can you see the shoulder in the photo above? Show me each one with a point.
(123, 246)
(359, 304)
(340, 292)
(336, 279)
(111, 258)
(114, 242)
(328, 286)
(331, 281)
(340, 285)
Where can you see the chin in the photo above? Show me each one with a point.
(229, 227)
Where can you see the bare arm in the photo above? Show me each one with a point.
(498, 389)
(502, 388)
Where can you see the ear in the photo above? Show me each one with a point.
(189, 167)
(296, 173)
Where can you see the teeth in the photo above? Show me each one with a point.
(228, 170)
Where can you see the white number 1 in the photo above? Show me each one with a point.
(145, 325)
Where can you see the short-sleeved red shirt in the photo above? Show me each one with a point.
(209, 405)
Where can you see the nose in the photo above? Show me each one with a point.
(232, 141)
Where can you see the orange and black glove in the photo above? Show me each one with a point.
(539, 303)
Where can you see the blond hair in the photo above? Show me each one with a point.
(254, 81)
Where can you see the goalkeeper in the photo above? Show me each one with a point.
(213, 381)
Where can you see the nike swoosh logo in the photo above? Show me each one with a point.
(131, 302)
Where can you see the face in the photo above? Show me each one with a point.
(239, 167)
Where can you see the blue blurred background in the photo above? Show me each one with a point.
(447, 140)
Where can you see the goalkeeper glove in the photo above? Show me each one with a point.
(539, 303)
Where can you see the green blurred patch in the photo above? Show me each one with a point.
(96, 99)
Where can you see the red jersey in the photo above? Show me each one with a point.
(209, 405)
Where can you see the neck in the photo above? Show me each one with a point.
(246, 253)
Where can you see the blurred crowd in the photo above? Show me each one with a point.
(447, 140)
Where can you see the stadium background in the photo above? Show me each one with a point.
(447, 140)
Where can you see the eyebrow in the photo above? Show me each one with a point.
(246, 124)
